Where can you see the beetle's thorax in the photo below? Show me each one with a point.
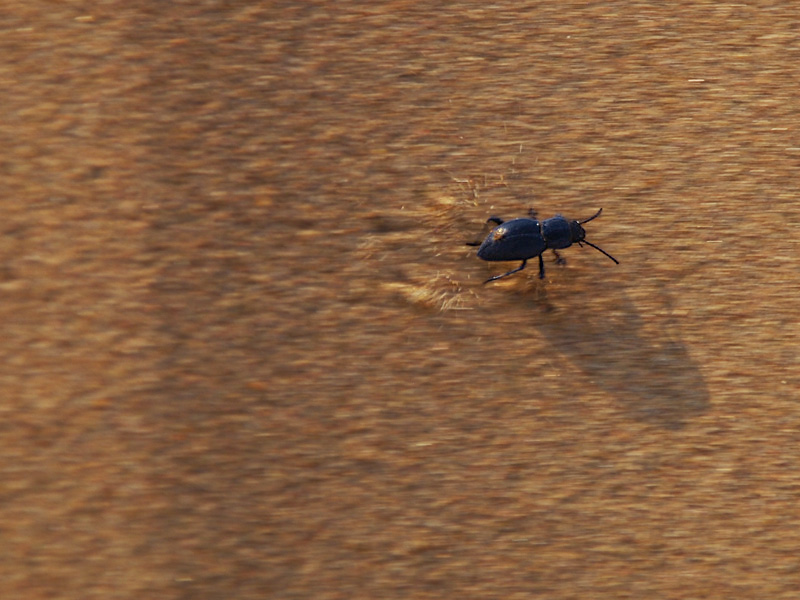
(558, 232)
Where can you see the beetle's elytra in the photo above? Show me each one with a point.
(526, 238)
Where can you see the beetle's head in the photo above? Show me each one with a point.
(578, 234)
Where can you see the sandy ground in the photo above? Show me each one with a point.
(246, 353)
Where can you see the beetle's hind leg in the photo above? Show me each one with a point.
(495, 220)
(496, 277)
(541, 267)
(559, 259)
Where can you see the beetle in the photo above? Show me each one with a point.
(526, 238)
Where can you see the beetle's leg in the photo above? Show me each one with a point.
(496, 220)
(559, 260)
(532, 213)
(541, 267)
(519, 268)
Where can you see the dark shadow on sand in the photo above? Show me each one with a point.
(640, 361)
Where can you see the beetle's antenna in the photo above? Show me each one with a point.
(598, 247)
(597, 214)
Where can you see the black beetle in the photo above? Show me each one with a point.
(522, 239)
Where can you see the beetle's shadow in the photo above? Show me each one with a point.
(641, 363)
